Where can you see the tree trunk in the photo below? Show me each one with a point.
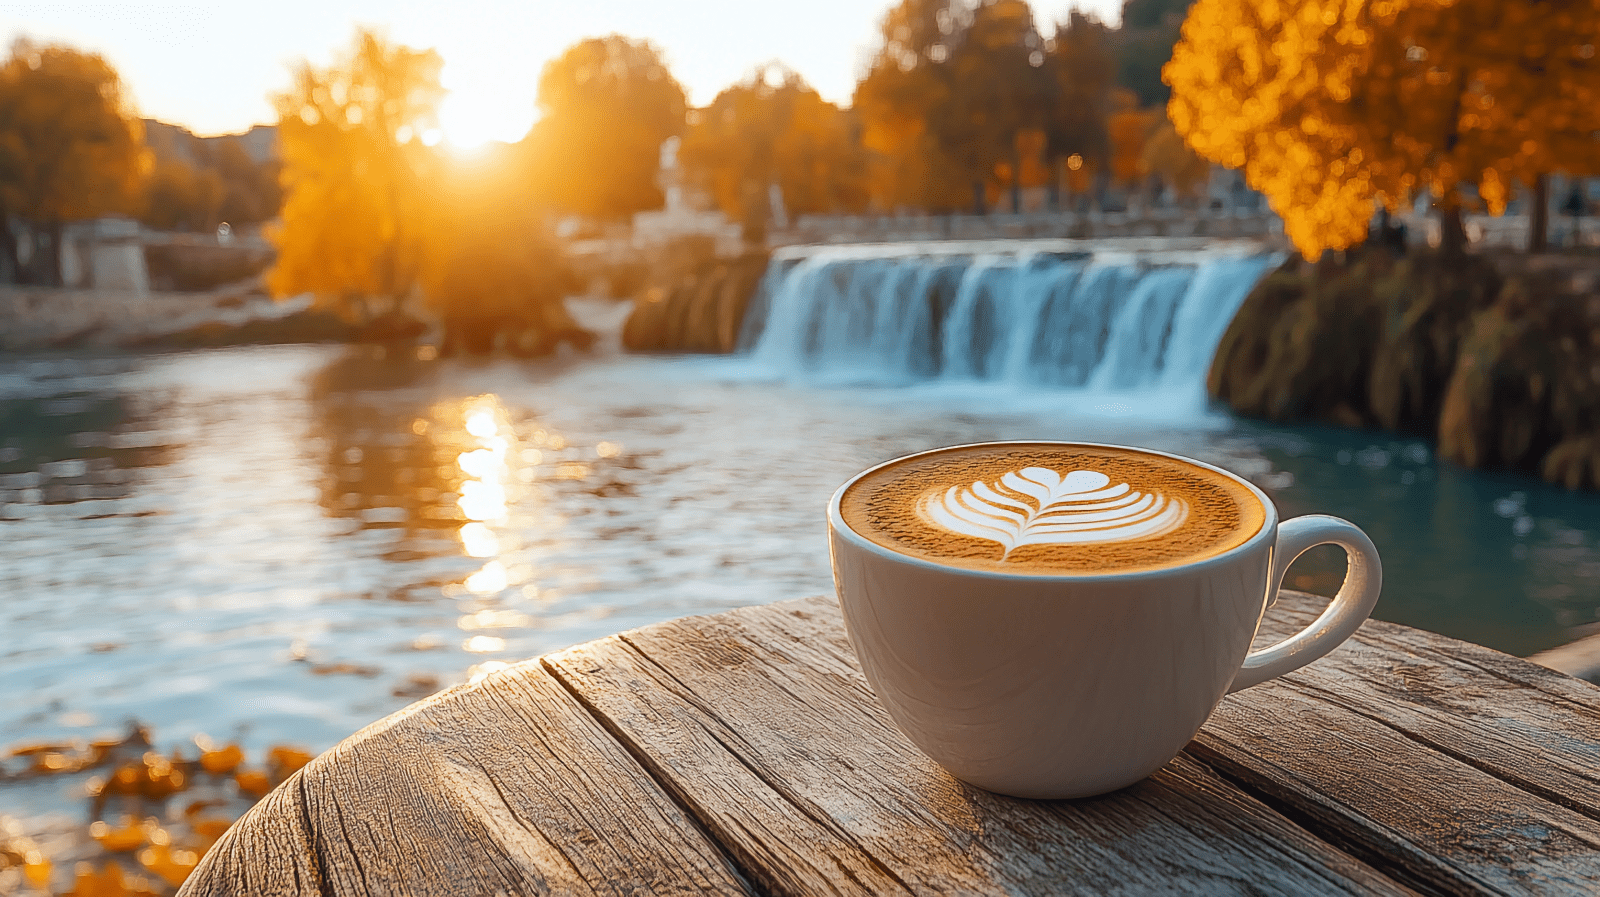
(49, 256)
(1539, 215)
(1016, 185)
(10, 266)
(1452, 232)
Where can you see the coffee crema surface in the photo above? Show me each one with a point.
(1052, 509)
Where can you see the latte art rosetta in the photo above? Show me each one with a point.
(1038, 506)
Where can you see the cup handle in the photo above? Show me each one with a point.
(1350, 608)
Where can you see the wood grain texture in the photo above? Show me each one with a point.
(504, 787)
(744, 753)
(1453, 767)
(760, 722)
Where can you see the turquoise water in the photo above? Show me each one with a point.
(284, 544)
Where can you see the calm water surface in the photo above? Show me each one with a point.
(283, 544)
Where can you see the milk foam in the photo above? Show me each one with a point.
(1040, 506)
(1052, 509)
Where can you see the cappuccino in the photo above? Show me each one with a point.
(1052, 509)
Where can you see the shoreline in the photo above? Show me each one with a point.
(36, 318)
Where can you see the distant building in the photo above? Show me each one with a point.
(168, 141)
(685, 213)
(104, 254)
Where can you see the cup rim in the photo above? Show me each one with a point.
(1266, 534)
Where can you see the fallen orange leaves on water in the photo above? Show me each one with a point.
(171, 863)
(108, 882)
(284, 762)
(209, 829)
(162, 777)
(253, 783)
(223, 760)
(137, 788)
(37, 871)
(131, 836)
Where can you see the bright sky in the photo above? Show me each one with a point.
(211, 66)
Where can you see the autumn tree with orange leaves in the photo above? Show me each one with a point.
(773, 129)
(908, 86)
(358, 174)
(1081, 62)
(606, 106)
(379, 224)
(1166, 156)
(1332, 107)
(71, 146)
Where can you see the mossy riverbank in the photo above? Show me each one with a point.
(1496, 358)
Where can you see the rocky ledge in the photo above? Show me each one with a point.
(1497, 358)
(699, 309)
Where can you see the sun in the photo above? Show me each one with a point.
(472, 119)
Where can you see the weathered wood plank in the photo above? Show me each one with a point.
(1518, 721)
(505, 787)
(760, 723)
(1451, 766)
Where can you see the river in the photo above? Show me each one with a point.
(283, 544)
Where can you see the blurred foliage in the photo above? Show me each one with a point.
(1332, 107)
(773, 129)
(1128, 129)
(378, 223)
(1169, 158)
(491, 266)
(606, 105)
(358, 176)
(1081, 62)
(151, 816)
(1000, 89)
(70, 146)
(180, 196)
(969, 100)
(1143, 45)
(907, 85)
(1139, 14)
(197, 183)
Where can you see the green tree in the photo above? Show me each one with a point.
(70, 146)
(773, 128)
(359, 177)
(607, 104)
(1330, 108)
(1142, 14)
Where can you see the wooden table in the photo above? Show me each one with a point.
(743, 753)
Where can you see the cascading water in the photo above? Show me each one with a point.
(1054, 314)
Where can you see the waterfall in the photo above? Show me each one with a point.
(1055, 314)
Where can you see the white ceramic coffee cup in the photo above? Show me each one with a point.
(1053, 686)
